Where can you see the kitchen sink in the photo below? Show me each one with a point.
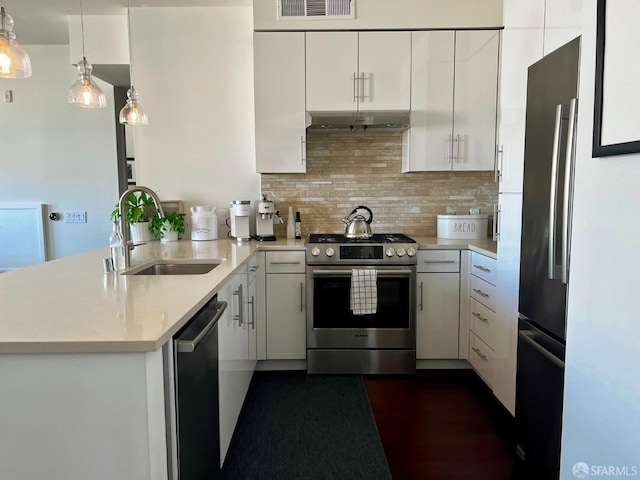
(175, 267)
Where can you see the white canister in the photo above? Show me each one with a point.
(204, 223)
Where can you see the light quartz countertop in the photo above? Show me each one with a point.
(70, 305)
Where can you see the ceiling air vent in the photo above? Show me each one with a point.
(316, 9)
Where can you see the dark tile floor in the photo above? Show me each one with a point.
(442, 425)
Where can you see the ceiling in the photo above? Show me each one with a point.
(44, 22)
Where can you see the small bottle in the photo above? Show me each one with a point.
(116, 247)
(291, 224)
(298, 226)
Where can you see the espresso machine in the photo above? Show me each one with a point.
(239, 211)
(265, 213)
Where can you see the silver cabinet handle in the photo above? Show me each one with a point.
(480, 317)
(496, 222)
(254, 268)
(421, 294)
(303, 149)
(355, 96)
(481, 293)
(554, 193)
(253, 313)
(286, 263)
(479, 353)
(458, 156)
(238, 317)
(497, 164)
(301, 297)
(361, 92)
(568, 182)
(449, 154)
(480, 267)
(439, 261)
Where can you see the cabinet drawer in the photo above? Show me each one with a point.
(287, 261)
(483, 292)
(482, 323)
(438, 261)
(483, 267)
(481, 359)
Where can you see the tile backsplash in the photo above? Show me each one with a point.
(348, 169)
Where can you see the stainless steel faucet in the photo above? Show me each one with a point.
(124, 230)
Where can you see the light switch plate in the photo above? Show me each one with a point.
(75, 216)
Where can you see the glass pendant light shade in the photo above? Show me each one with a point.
(14, 60)
(132, 113)
(85, 92)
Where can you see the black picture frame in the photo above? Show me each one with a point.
(598, 149)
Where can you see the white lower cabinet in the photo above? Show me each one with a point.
(438, 300)
(286, 306)
(234, 367)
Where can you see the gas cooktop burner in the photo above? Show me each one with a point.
(376, 238)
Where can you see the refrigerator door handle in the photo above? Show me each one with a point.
(568, 182)
(553, 193)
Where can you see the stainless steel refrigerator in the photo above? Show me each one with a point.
(552, 90)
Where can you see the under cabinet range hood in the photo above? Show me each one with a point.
(395, 120)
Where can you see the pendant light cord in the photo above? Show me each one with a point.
(82, 28)
(130, 49)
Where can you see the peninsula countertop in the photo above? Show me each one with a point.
(70, 305)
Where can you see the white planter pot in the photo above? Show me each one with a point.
(169, 237)
(140, 232)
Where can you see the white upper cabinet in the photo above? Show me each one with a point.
(352, 71)
(431, 101)
(454, 100)
(475, 100)
(563, 23)
(280, 102)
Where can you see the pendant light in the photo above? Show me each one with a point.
(14, 60)
(85, 92)
(132, 113)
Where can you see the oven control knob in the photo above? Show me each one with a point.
(315, 251)
(401, 251)
(411, 251)
(390, 252)
(330, 252)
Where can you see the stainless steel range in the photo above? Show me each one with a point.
(380, 342)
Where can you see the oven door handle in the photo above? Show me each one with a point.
(381, 273)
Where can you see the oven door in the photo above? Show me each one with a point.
(332, 324)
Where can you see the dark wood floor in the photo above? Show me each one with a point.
(442, 425)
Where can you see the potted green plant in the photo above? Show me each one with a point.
(138, 208)
(167, 228)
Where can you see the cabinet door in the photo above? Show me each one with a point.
(286, 317)
(384, 65)
(508, 276)
(563, 23)
(332, 65)
(279, 86)
(437, 315)
(475, 104)
(233, 352)
(521, 46)
(431, 101)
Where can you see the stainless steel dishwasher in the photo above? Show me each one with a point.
(194, 424)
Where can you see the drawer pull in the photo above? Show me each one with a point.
(481, 268)
(480, 317)
(286, 263)
(440, 261)
(254, 268)
(481, 293)
(479, 353)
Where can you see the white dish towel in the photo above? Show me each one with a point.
(364, 291)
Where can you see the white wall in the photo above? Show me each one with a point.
(380, 14)
(602, 379)
(193, 68)
(56, 154)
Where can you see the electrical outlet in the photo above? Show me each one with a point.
(74, 216)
